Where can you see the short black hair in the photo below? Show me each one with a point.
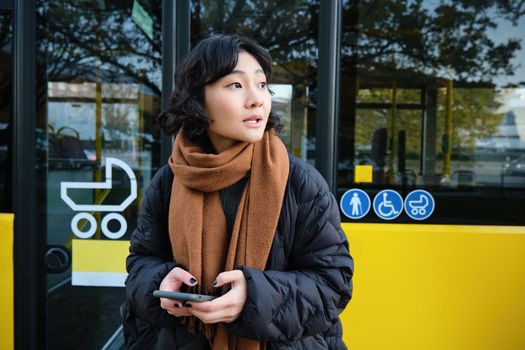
(211, 59)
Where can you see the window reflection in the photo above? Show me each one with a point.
(432, 97)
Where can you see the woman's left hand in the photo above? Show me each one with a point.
(226, 308)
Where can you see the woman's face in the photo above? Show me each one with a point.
(238, 104)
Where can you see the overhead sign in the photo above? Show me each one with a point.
(388, 204)
(419, 204)
(355, 203)
(142, 19)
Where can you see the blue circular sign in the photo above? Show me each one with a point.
(388, 204)
(419, 204)
(355, 203)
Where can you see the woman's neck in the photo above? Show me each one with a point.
(204, 142)
(220, 143)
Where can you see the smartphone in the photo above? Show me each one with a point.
(182, 296)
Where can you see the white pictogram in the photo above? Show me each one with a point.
(106, 185)
(419, 206)
(388, 204)
(385, 203)
(355, 203)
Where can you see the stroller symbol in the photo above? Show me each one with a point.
(84, 208)
(419, 206)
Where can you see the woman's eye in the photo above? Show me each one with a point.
(235, 85)
(263, 85)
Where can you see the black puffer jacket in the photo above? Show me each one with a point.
(293, 304)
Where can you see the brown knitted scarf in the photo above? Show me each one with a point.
(197, 225)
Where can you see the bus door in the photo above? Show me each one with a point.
(99, 91)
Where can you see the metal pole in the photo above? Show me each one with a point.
(328, 90)
(447, 137)
(176, 16)
(390, 173)
(27, 257)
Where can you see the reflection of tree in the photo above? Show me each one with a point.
(5, 30)
(417, 45)
(5, 63)
(474, 116)
(285, 28)
(288, 29)
(453, 37)
(473, 111)
(116, 120)
(82, 41)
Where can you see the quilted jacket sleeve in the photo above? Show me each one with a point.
(150, 255)
(307, 298)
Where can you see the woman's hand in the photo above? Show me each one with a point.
(226, 308)
(172, 283)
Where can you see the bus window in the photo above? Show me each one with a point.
(430, 103)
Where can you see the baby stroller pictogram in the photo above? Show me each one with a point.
(419, 206)
(86, 208)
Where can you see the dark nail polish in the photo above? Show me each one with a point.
(193, 280)
(214, 283)
(187, 305)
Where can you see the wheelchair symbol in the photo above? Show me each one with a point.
(84, 208)
(388, 204)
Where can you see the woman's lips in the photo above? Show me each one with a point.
(253, 123)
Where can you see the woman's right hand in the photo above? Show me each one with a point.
(172, 283)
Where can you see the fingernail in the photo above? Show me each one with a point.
(214, 282)
(193, 280)
(176, 305)
(187, 305)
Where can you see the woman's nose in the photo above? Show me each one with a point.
(254, 99)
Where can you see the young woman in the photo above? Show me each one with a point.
(234, 215)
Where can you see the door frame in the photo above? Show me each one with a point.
(29, 275)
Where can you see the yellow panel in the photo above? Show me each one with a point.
(436, 287)
(363, 173)
(6, 282)
(91, 255)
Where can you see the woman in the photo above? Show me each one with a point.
(234, 215)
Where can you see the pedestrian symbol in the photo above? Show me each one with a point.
(419, 204)
(355, 203)
(388, 204)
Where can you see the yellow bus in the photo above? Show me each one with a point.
(414, 111)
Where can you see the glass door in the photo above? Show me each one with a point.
(6, 57)
(98, 93)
